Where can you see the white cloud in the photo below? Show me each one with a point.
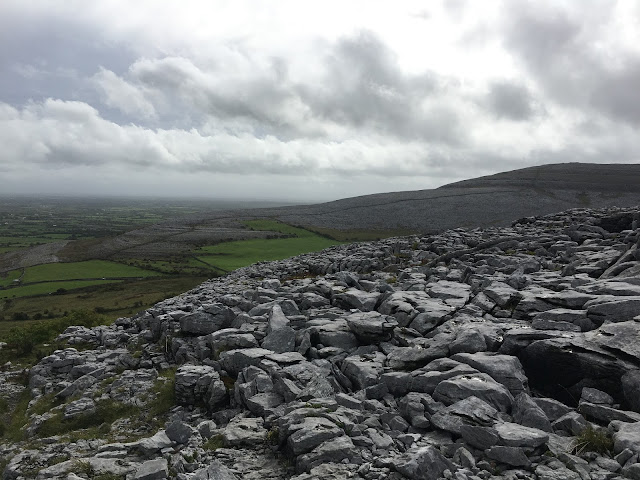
(360, 95)
(122, 95)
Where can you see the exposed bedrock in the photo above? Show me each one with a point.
(469, 355)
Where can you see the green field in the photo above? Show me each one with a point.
(57, 291)
(181, 266)
(91, 269)
(229, 256)
(46, 288)
(359, 235)
(116, 289)
(113, 299)
(9, 278)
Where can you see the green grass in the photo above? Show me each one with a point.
(214, 443)
(9, 278)
(13, 430)
(24, 338)
(229, 256)
(6, 326)
(164, 394)
(107, 411)
(49, 287)
(275, 226)
(178, 266)
(593, 440)
(80, 270)
(113, 300)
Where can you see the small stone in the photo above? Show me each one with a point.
(481, 438)
(513, 456)
(179, 432)
(572, 423)
(464, 458)
(215, 471)
(632, 471)
(425, 463)
(152, 470)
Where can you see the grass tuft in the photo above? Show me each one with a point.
(593, 440)
(214, 443)
(165, 396)
(107, 411)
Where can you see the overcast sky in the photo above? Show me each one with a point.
(309, 101)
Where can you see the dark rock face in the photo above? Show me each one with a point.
(472, 354)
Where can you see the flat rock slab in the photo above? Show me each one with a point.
(454, 294)
(512, 456)
(469, 411)
(331, 451)
(623, 337)
(514, 435)
(152, 445)
(244, 431)
(627, 436)
(611, 287)
(213, 317)
(426, 381)
(479, 385)
(364, 370)
(357, 299)
(504, 369)
(156, 469)
(234, 361)
(310, 433)
(618, 309)
(371, 326)
(215, 471)
(411, 358)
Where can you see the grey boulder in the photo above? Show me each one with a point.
(425, 463)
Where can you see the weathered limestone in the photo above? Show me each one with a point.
(467, 355)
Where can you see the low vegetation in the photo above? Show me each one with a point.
(163, 394)
(214, 443)
(22, 340)
(359, 235)
(107, 411)
(593, 440)
(82, 270)
(229, 256)
(96, 424)
(49, 288)
(112, 300)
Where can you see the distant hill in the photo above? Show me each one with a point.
(494, 200)
(610, 177)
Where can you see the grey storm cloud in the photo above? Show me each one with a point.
(262, 98)
(46, 57)
(364, 87)
(562, 52)
(361, 87)
(510, 100)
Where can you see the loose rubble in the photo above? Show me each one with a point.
(509, 353)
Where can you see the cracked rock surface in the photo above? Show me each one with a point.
(472, 354)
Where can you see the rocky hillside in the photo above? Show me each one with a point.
(480, 202)
(473, 354)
